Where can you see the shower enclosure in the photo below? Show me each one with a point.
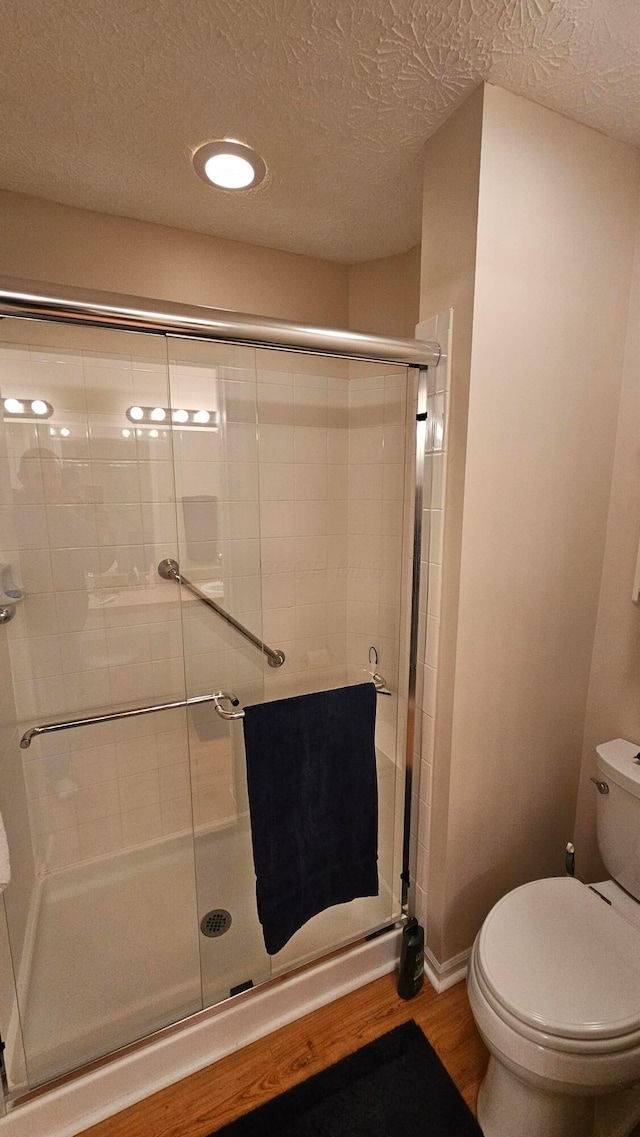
(156, 478)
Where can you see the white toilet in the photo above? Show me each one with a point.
(554, 986)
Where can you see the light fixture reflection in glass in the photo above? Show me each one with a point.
(52, 431)
(184, 416)
(65, 432)
(14, 406)
(27, 408)
(153, 434)
(126, 433)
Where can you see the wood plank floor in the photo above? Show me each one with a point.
(204, 1102)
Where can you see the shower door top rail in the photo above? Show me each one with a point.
(38, 300)
(170, 570)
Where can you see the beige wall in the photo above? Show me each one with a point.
(42, 240)
(556, 218)
(613, 705)
(384, 295)
(448, 274)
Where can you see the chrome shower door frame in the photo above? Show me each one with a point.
(47, 302)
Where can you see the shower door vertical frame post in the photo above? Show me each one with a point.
(411, 776)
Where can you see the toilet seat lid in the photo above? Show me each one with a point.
(558, 958)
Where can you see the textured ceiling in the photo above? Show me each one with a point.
(103, 101)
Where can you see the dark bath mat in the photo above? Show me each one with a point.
(395, 1085)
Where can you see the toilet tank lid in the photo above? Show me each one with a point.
(616, 760)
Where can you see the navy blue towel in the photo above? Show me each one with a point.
(313, 800)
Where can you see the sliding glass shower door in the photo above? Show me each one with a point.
(101, 909)
(273, 483)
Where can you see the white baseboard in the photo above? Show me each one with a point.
(75, 1106)
(444, 975)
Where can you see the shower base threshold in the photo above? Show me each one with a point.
(109, 1086)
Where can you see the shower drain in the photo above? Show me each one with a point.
(216, 922)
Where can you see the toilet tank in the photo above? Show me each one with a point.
(618, 812)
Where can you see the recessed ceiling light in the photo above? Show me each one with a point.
(229, 164)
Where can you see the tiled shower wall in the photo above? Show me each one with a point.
(331, 479)
(305, 551)
(303, 405)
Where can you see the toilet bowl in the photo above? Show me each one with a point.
(554, 987)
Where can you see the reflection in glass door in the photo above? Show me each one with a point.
(101, 909)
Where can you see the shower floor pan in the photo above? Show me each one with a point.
(118, 951)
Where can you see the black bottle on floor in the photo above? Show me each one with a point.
(411, 974)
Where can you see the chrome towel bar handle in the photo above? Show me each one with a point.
(217, 698)
(115, 716)
(226, 696)
(380, 684)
